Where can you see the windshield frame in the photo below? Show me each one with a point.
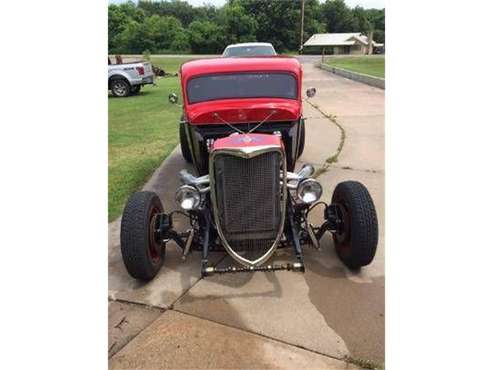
(294, 76)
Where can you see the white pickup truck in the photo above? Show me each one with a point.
(127, 78)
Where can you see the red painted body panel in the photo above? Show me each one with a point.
(227, 65)
(247, 140)
(241, 110)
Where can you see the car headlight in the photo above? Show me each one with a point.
(188, 197)
(309, 190)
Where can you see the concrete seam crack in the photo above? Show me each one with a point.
(262, 335)
(333, 158)
(140, 331)
(163, 310)
(348, 168)
(120, 300)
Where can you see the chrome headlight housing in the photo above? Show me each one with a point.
(309, 190)
(188, 197)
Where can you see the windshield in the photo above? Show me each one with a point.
(242, 85)
(249, 51)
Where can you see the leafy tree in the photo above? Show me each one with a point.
(159, 26)
(162, 31)
(379, 36)
(181, 10)
(117, 21)
(206, 37)
(238, 25)
(138, 36)
(278, 22)
(207, 12)
(181, 42)
(313, 22)
(377, 17)
(360, 19)
(370, 22)
(337, 16)
(132, 11)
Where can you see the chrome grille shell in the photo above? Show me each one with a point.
(229, 232)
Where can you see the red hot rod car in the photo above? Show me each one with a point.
(243, 130)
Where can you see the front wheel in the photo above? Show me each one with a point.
(142, 251)
(356, 243)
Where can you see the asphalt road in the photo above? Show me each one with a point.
(261, 320)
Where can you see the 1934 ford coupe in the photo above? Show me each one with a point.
(243, 130)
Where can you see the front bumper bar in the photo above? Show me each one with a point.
(297, 266)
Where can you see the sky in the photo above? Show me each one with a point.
(367, 4)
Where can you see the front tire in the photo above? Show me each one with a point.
(356, 244)
(142, 253)
(120, 87)
(185, 149)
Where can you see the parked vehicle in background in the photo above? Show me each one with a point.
(127, 78)
(250, 49)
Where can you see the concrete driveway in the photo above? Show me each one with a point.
(265, 320)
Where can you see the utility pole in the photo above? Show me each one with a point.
(302, 19)
(370, 41)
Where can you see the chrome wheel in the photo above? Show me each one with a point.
(120, 88)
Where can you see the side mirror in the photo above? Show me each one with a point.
(311, 92)
(173, 98)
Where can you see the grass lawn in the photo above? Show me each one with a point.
(142, 131)
(370, 65)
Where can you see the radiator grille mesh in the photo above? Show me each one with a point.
(249, 201)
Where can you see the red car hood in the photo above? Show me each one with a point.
(236, 141)
(243, 110)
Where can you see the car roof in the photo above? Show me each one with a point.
(249, 44)
(241, 64)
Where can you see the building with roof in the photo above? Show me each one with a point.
(340, 43)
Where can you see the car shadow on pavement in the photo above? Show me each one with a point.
(352, 305)
(235, 282)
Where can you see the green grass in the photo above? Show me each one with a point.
(142, 131)
(370, 65)
(364, 364)
(291, 53)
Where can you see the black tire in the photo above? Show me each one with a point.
(302, 138)
(142, 254)
(357, 245)
(185, 149)
(120, 87)
(135, 89)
